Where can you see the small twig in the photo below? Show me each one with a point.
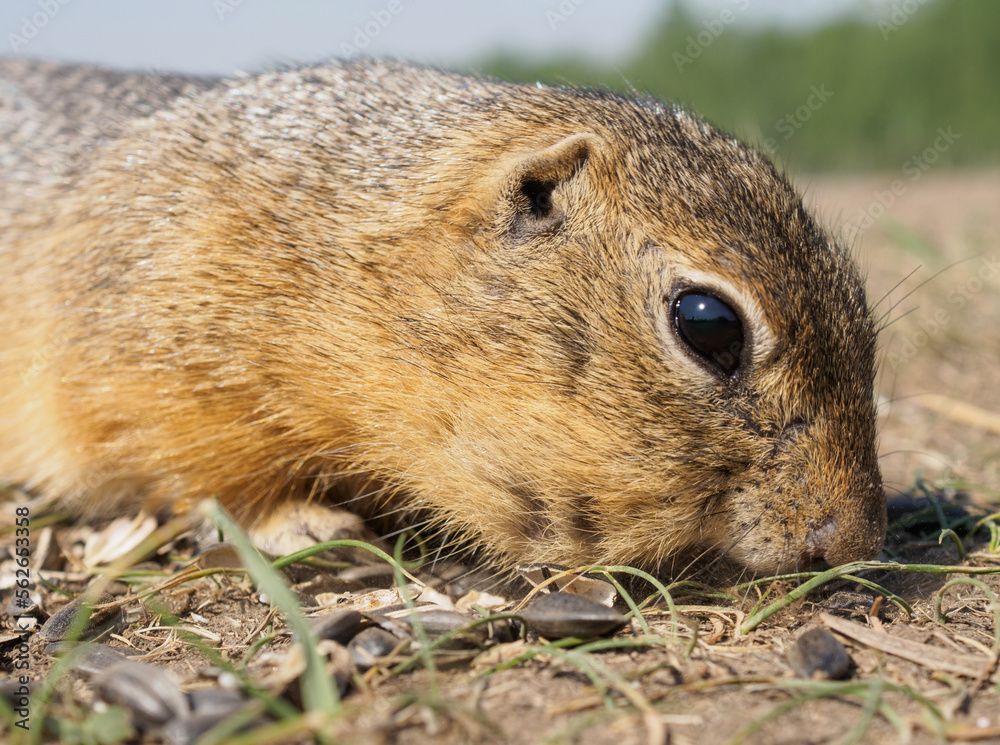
(966, 665)
(960, 412)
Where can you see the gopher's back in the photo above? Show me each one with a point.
(52, 116)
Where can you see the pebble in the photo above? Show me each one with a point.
(437, 622)
(561, 614)
(817, 653)
(209, 706)
(340, 664)
(340, 626)
(370, 646)
(11, 691)
(216, 701)
(100, 622)
(220, 556)
(91, 658)
(144, 689)
(187, 730)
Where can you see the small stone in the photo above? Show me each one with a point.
(440, 622)
(187, 731)
(340, 626)
(144, 689)
(220, 556)
(340, 663)
(846, 600)
(370, 646)
(209, 707)
(230, 681)
(217, 701)
(437, 622)
(101, 621)
(91, 658)
(12, 691)
(561, 614)
(817, 653)
(16, 607)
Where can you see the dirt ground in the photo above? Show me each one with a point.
(933, 260)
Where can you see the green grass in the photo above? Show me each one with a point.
(875, 696)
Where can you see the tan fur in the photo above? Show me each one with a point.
(328, 280)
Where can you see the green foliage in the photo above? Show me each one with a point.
(319, 692)
(105, 727)
(888, 85)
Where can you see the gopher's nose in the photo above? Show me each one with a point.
(839, 542)
(820, 542)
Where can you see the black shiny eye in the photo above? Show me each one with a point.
(711, 328)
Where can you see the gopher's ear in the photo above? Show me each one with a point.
(527, 197)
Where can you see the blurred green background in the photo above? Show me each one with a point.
(849, 96)
(822, 85)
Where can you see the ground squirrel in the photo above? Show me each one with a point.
(569, 325)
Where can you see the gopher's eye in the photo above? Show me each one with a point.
(711, 328)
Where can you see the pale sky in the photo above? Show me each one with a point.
(222, 36)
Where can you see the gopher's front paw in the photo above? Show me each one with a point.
(294, 525)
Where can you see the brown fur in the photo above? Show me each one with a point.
(331, 280)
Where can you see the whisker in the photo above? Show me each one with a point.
(903, 452)
(934, 276)
(897, 286)
(901, 316)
